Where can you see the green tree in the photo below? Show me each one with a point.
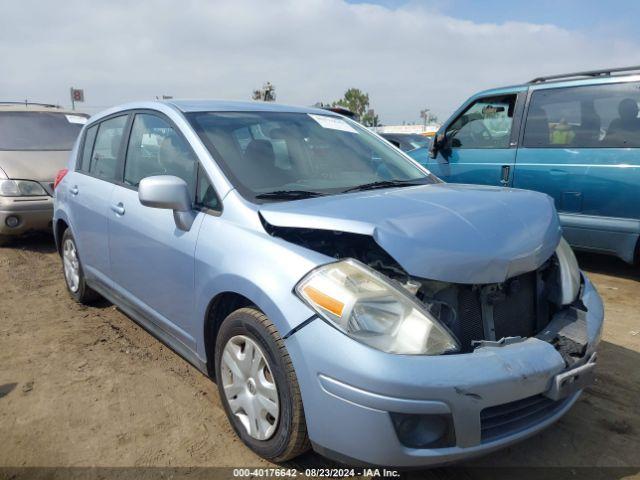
(358, 102)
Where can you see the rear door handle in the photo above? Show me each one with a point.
(119, 208)
(74, 190)
(506, 169)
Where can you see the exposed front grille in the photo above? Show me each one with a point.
(510, 418)
(516, 314)
(469, 325)
(511, 307)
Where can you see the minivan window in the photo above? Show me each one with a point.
(271, 152)
(155, 148)
(485, 124)
(39, 130)
(104, 160)
(87, 149)
(584, 117)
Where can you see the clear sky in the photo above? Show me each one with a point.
(408, 55)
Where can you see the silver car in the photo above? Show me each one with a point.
(343, 298)
(35, 140)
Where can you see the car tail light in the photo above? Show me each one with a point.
(59, 177)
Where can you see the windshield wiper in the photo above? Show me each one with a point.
(289, 194)
(383, 184)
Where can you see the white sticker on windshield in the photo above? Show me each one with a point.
(334, 123)
(76, 119)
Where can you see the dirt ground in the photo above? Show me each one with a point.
(85, 386)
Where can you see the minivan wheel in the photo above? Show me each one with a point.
(258, 386)
(72, 269)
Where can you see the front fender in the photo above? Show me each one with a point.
(251, 263)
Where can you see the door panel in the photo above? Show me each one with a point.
(479, 166)
(152, 262)
(591, 181)
(89, 194)
(479, 147)
(581, 146)
(89, 219)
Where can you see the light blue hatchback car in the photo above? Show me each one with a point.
(341, 296)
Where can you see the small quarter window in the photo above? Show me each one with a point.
(205, 194)
(87, 149)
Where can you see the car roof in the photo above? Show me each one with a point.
(187, 106)
(593, 77)
(36, 107)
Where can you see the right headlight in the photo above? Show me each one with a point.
(21, 188)
(569, 273)
(370, 309)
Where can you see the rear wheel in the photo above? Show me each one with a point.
(258, 386)
(73, 274)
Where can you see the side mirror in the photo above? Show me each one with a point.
(171, 193)
(439, 144)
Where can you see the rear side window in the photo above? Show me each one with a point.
(155, 148)
(87, 149)
(597, 116)
(104, 160)
(39, 130)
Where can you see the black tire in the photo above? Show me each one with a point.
(290, 438)
(5, 240)
(83, 294)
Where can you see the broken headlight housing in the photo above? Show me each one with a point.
(369, 308)
(569, 273)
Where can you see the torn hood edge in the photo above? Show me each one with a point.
(457, 257)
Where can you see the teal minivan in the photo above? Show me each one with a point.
(575, 137)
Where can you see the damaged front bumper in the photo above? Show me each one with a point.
(366, 406)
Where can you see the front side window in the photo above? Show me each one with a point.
(269, 152)
(597, 116)
(104, 159)
(39, 130)
(155, 148)
(485, 124)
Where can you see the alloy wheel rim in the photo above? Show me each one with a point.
(71, 265)
(249, 387)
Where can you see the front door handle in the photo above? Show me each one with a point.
(506, 170)
(118, 209)
(74, 190)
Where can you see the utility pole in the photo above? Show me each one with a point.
(424, 115)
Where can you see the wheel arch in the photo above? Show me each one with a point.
(59, 228)
(219, 308)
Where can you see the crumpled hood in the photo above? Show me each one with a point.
(453, 233)
(41, 166)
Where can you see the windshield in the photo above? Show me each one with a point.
(418, 141)
(297, 153)
(39, 130)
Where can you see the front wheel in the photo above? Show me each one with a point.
(258, 386)
(73, 273)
